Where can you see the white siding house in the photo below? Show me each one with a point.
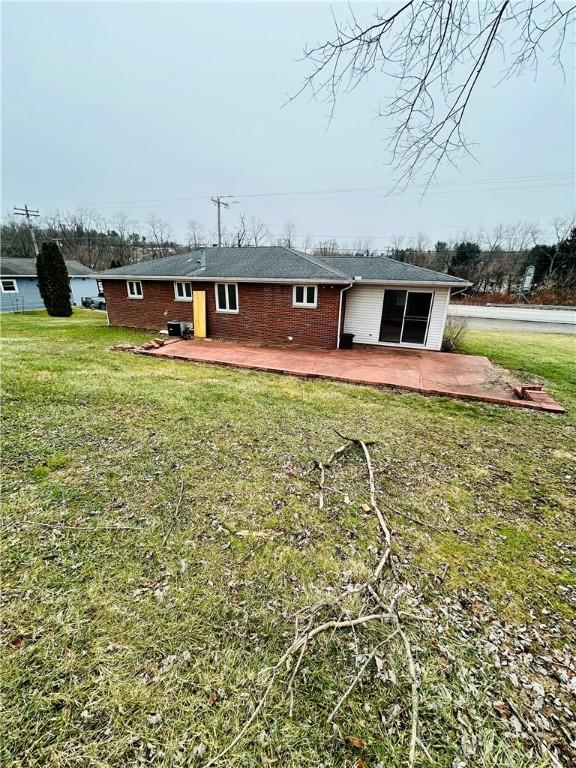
(363, 314)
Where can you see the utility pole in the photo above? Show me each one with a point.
(219, 203)
(28, 212)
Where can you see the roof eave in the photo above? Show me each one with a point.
(6, 276)
(225, 278)
(290, 280)
(437, 283)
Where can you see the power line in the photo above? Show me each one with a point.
(457, 186)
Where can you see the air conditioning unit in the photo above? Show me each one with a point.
(179, 328)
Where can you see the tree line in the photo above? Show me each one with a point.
(91, 239)
(505, 259)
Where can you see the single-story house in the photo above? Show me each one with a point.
(19, 284)
(275, 294)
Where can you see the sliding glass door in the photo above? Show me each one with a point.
(405, 316)
(392, 316)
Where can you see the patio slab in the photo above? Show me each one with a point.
(432, 373)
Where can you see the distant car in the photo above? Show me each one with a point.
(94, 302)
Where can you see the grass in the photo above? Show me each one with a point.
(142, 645)
(547, 355)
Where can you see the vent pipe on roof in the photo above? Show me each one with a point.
(202, 259)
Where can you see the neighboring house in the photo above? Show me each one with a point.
(19, 284)
(278, 295)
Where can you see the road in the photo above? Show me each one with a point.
(521, 318)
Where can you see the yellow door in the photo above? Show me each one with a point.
(199, 300)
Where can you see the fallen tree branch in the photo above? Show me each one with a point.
(176, 512)
(418, 520)
(302, 640)
(415, 693)
(322, 467)
(321, 483)
(78, 527)
(350, 688)
(374, 607)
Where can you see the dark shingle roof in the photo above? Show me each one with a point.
(279, 263)
(384, 269)
(27, 267)
(257, 263)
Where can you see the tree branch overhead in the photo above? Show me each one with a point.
(430, 56)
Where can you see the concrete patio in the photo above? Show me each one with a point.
(465, 377)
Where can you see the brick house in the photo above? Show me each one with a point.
(279, 295)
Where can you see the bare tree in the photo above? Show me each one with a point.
(397, 244)
(16, 241)
(241, 235)
(288, 235)
(122, 238)
(160, 236)
(326, 248)
(362, 246)
(307, 244)
(258, 231)
(562, 225)
(432, 54)
(196, 235)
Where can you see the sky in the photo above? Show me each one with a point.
(153, 108)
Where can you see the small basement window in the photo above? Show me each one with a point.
(9, 286)
(305, 296)
(183, 291)
(226, 297)
(135, 289)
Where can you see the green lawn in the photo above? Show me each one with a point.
(547, 355)
(136, 627)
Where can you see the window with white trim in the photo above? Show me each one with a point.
(305, 296)
(226, 297)
(9, 286)
(134, 289)
(183, 291)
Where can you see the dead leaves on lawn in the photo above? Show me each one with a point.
(540, 719)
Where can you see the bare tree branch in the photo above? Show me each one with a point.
(431, 55)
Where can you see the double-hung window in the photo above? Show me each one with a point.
(183, 291)
(134, 289)
(9, 286)
(305, 296)
(226, 297)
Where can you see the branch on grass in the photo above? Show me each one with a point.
(78, 527)
(374, 609)
(176, 512)
(302, 640)
(361, 671)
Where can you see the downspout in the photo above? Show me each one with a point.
(450, 294)
(457, 292)
(342, 290)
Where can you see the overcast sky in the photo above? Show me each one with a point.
(134, 106)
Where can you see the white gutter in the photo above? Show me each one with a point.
(342, 291)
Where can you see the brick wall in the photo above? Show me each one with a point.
(265, 312)
(151, 312)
